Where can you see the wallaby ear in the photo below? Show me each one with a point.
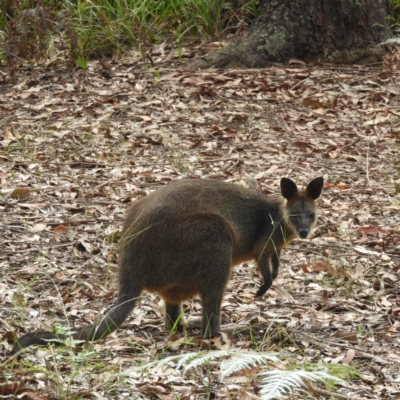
(314, 188)
(288, 188)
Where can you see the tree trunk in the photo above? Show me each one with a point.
(314, 31)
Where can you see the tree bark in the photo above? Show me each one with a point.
(314, 31)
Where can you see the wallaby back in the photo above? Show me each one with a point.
(183, 239)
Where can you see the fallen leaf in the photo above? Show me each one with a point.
(349, 356)
(345, 335)
(20, 192)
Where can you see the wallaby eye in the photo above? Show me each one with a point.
(312, 215)
(293, 217)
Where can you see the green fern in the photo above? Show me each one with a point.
(245, 360)
(276, 383)
(395, 41)
(186, 361)
(203, 358)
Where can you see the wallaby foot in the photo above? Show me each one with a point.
(211, 323)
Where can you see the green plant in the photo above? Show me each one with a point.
(394, 41)
(360, 330)
(389, 26)
(98, 28)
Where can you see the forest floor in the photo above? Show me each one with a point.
(76, 148)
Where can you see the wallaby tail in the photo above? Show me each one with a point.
(106, 325)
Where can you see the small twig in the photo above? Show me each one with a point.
(299, 83)
(365, 77)
(36, 249)
(349, 144)
(367, 165)
(288, 130)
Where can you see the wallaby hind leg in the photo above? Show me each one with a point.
(211, 322)
(208, 263)
(174, 317)
(212, 293)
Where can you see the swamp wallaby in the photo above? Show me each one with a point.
(183, 239)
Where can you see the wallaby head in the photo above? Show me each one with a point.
(300, 205)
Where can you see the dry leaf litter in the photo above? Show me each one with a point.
(77, 148)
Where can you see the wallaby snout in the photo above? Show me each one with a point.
(302, 221)
(303, 233)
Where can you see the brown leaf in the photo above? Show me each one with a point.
(312, 103)
(374, 230)
(9, 389)
(349, 356)
(60, 229)
(336, 186)
(342, 334)
(296, 61)
(305, 269)
(33, 205)
(222, 341)
(159, 389)
(320, 267)
(20, 192)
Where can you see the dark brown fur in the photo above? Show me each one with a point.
(183, 240)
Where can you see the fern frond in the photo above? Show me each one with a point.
(341, 371)
(273, 384)
(246, 360)
(186, 361)
(199, 359)
(276, 383)
(157, 364)
(395, 41)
